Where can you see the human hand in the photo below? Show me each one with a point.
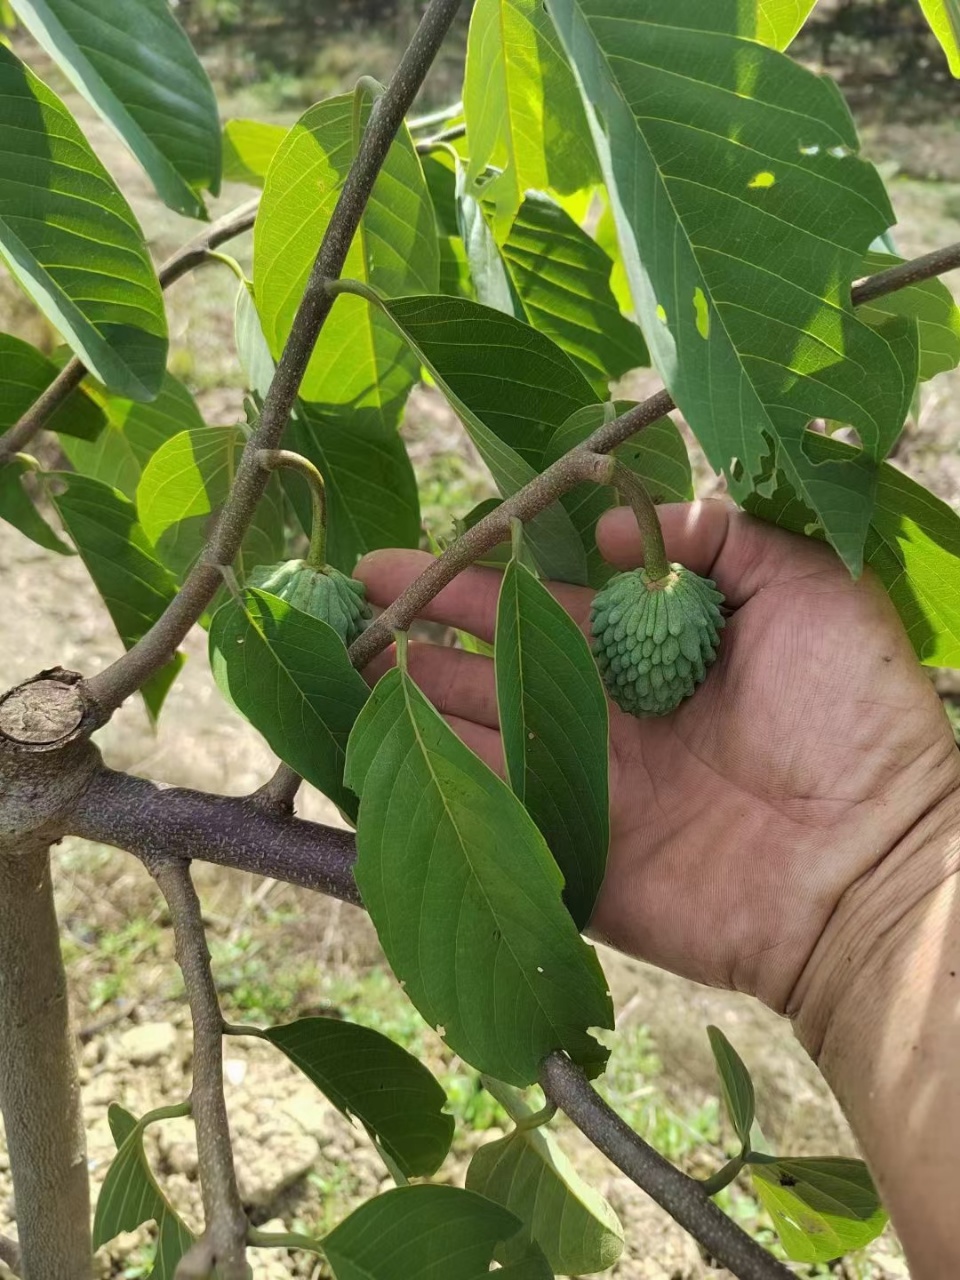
(740, 820)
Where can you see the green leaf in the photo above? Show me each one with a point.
(930, 303)
(248, 150)
(913, 546)
(24, 375)
(288, 673)
(736, 1084)
(778, 21)
(431, 1232)
(744, 214)
(553, 720)
(17, 508)
(521, 105)
(136, 67)
(71, 240)
(183, 487)
(562, 279)
(134, 434)
(501, 970)
(531, 1266)
(364, 1074)
(130, 1197)
(944, 19)
(358, 362)
(821, 1208)
(134, 585)
(528, 1173)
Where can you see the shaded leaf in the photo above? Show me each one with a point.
(135, 66)
(248, 150)
(364, 1074)
(71, 240)
(821, 1208)
(431, 1232)
(501, 970)
(24, 375)
(532, 1265)
(736, 1084)
(931, 304)
(711, 142)
(288, 673)
(133, 584)
(944, 19)
(18, 509)
(553, 721)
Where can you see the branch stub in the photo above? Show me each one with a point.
(41, 713)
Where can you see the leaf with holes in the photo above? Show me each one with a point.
(944, 19)
(24, 374)
(288, 673)
(501, 969)
(736, 1083)
(928, 302)
(71, 240)
(248, 150)
(364, 1074)
(821, 1208)
(133, 63)
(711, 142)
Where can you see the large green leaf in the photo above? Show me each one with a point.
(521, 105)
(136, 67)
(501, 969)
(289, 674)
(130, 1197)
(24, 375)
(744, 213)
(944, 19)
(736, 1084)
(248, 150)
(778, 21)
(427, 1232)
(183, 487)
(529, 1174)
(358, 362)
(17, 508)
(364, 1074)
(553, 720)
(821, 1208)
(134, 585)
(930, 304)
(71, 240)
(134, 433)
(913, 546)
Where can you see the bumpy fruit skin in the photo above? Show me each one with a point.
(654, 640)
(324, 593)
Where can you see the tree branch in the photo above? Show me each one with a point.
(225, 1223)
(682, 1197)
(906, 273)
(193, 254)
(115, 683)
(280, 791)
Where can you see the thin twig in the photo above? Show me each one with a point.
(193, 254)
(115, 683)
(682, 1197)
(225, 1223)
(906, 273)
(10, 1254)
(270, 460)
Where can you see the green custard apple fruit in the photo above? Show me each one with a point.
(324, 593)
(655, 638)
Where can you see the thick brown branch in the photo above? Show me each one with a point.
(225, 1223)
(683, 1198)
(111, 686)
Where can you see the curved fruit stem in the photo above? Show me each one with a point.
(634, 490)
(270, 459)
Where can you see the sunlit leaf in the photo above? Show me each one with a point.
(777, 21)
(736, 1084)
(821, 1208)
(944, 19)
(248, 150)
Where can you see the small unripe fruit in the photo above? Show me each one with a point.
(324, 593)
(655, 638)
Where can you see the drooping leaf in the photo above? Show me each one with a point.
(528, 1173)
(71, 240)
(133, 63)
(183, 487)
(431, 1232)
(134, 433)
(821, 1208)
(553, 720)
(521, 105)
(501, 970)
(711, 142)
(289, 674)
(358, 362)
(562, 279)
(913, 546)
(735, 1083)
(130, 1196)
(931, 304)
(24, 374)
(134, 585)
(944, 19)
(778, 21)
(440, 173)
(248, 150)
(17, 508)
(364, 1074)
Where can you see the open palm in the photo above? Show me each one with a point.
(739, 820)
